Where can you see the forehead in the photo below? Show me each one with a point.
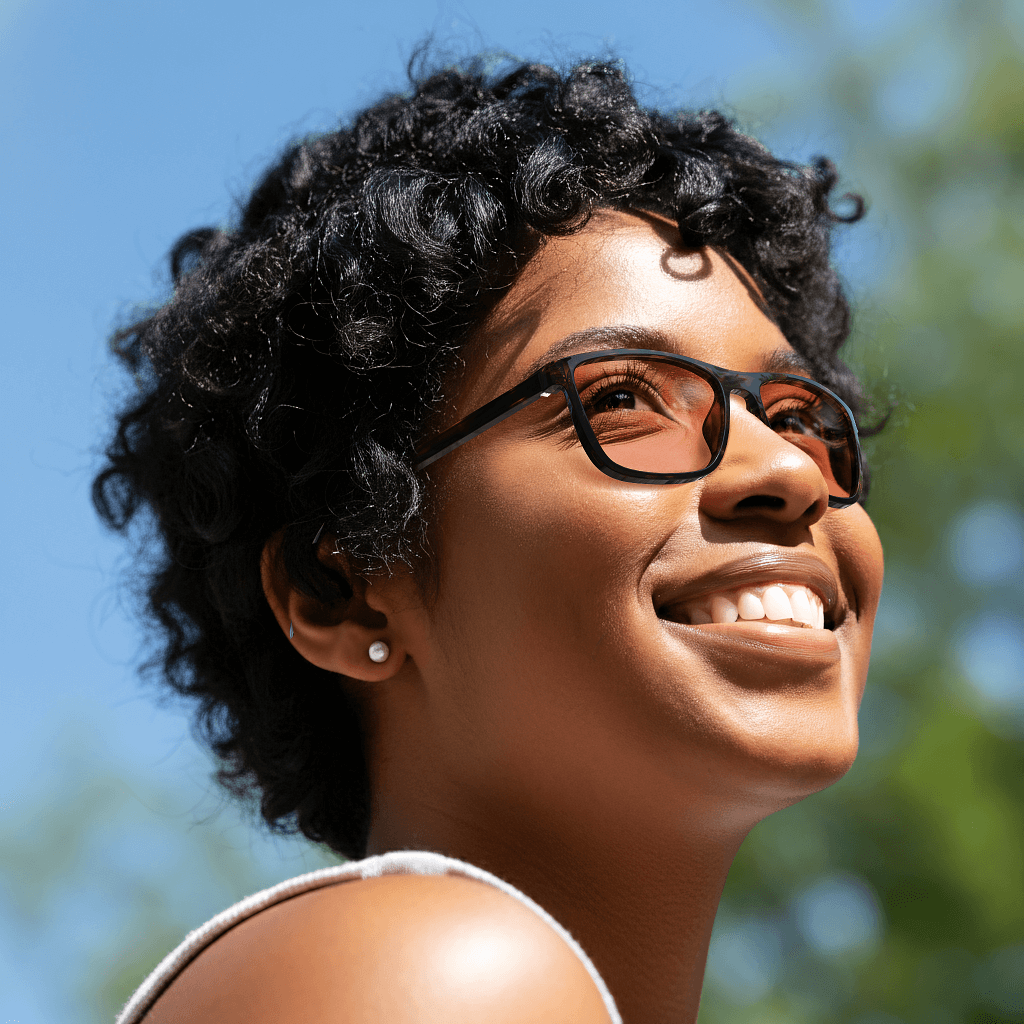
(623, 270)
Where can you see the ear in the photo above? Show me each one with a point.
(335, 637)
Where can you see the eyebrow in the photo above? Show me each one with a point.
(597, 338)
(594, 339)
(786, 360)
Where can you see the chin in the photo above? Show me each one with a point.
(769, 750)
(795, 763)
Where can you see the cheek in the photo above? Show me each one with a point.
(859, 553)
(540, 559)
(544, 630)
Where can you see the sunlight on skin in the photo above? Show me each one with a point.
(542, 685)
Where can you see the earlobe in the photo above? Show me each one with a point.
(346, 637)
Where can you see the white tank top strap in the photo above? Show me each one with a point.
(401, 862)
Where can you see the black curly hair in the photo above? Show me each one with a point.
(284, 383)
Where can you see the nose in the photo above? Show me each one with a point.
(763, 476)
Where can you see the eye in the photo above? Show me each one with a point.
(619, 398)
(807, 423)
(795, 413)
(794, 421)
(621, 387)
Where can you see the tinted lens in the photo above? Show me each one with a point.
(650, 415)
(816, 423)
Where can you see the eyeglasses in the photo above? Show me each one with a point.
(652, 417)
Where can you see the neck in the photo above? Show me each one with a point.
(641, 902)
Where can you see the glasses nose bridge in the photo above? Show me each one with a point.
(748, 387)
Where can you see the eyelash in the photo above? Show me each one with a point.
(632, 376)
(798, 412)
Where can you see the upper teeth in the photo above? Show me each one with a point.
(775, 602)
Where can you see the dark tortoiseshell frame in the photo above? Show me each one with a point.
(559, 376)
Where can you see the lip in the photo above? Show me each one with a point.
(763, 567)
(763, 656)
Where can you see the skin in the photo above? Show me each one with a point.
(443, 950)
(541, 714)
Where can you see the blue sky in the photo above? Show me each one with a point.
(124, 124)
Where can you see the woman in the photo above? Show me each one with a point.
(503, 520)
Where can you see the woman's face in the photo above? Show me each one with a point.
(566, 649)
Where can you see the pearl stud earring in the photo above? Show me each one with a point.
(379, 651)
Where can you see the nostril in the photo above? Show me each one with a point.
(767, 501)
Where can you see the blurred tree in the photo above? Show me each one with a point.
(899, 895)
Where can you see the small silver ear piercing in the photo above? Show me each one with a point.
(291, 630)
(379, 651)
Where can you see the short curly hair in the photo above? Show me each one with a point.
(284, 384)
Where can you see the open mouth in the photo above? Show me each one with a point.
(782, 604)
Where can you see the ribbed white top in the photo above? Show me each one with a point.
(397, 863)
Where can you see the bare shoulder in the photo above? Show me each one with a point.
(407, 949)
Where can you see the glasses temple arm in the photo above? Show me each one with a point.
(539, 385)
